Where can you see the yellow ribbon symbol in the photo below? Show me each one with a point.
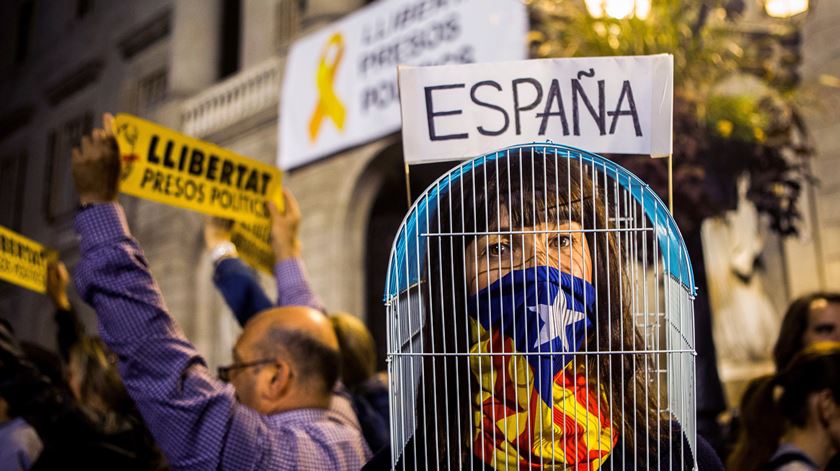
(328, 103)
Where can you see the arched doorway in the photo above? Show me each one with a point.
(387, 212)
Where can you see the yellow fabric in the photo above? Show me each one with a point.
(520, 428)
(329, 105)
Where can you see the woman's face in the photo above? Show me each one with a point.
(823, 323)
(490, 257)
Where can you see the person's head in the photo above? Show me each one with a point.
(811, 318)
(810, 389)
(515, 212)
(286, 358)
(94, 380)
(358, 352)
(805, 396)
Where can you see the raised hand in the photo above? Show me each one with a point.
(57, 280)
(216, 231)
(96, 165)
(284, 228)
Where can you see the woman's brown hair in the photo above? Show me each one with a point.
(358, 351)
(101, 388)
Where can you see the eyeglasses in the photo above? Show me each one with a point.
(224, 371)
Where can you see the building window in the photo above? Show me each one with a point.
(151, 91)
(12, 178)
(231, 37)
(61, 199)
(83, 7)
(24, 31)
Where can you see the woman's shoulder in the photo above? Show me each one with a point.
(707, 458)
(790, 458)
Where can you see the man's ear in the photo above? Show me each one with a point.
(281, 380)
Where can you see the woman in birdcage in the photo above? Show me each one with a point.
(531, 355)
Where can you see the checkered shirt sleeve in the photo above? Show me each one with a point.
(195, 418)
(293, 287)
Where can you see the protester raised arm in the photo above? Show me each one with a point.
(236, 282)
(293, 287)
(196, 419)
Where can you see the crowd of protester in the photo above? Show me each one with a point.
(303, 391)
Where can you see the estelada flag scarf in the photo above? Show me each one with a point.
(535, 408)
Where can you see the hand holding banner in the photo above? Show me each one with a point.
(23, 261)
(619, 105)
(166, 166)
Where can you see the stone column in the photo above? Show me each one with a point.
(196, 36)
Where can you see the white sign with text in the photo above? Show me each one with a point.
(619, 105)
(340, 85)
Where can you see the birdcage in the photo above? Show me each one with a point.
(539, 307)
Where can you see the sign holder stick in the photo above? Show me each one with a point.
(671, 183)
(408, 184)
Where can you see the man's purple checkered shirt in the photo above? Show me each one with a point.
(195, 419)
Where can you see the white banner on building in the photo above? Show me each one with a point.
(340, 86)
(618, 105)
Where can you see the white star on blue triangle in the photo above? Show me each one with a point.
(555, 321)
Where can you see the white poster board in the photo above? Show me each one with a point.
(620, 105)
(340, 85)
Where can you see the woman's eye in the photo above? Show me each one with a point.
(498, 250)
(824, 329)
(563, 241)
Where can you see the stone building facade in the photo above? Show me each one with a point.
(213, 68)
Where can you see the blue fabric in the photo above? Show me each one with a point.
(240, 288)
(19, 445)
(542, 310)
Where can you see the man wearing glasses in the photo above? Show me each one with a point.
(279, 411)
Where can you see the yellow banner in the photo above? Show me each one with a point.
(253, 242)
(23, 261)
(163, 165)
